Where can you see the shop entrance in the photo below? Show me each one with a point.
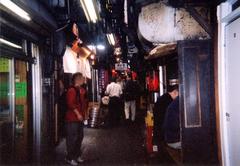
(14, 110)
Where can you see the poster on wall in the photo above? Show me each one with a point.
(4, 65)
(21, 89)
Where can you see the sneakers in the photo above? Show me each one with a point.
(71, 162)
(85, 122)
(80, 159)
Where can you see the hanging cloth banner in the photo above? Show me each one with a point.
(72, 63)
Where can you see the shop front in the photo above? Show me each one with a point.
(23, 52)
(15, 114)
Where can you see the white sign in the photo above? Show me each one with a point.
(120, 66)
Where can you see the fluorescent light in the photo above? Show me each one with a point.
(9, 43)
(89, 10)
(111, 39)
(125, 12)
(100, 47)
(91, 47)
(14, 8)
(85, 10)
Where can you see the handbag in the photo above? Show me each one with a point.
(105, 100)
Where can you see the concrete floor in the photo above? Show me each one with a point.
(122, 145)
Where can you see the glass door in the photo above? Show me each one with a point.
(14, 114)
(21, 113)
(6, 109)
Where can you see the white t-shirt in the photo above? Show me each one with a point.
(113, 89)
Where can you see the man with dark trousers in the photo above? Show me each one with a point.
(159, 111)
(114, 91)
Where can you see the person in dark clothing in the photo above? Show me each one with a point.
(130, 96)
(159, 110)
(172, 125)
(114, 92)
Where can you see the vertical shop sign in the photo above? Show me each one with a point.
(103, 80)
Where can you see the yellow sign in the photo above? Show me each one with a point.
(4, 65)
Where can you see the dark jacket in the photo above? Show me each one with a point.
(131, 90)
(172, 122)
(159, 110)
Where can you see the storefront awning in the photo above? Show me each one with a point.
(162, 50)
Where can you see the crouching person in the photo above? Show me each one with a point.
(74, 120)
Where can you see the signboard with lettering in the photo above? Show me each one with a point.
(121, 66)
(102, 80)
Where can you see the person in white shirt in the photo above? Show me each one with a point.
(114, 91)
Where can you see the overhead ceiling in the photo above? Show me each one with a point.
(112, 21)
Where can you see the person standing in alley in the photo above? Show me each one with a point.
(74, 119)
(172, 125)
(114, 91)
(159, 111)
(130, 95)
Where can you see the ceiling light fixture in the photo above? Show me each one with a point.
(100, 47)
(91, 47)
(89, 10)
(9, 43)
(111, 39)
(14, 8)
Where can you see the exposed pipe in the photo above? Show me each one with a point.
(68, 7)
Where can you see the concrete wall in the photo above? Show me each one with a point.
(158, 24)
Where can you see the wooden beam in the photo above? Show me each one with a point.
(193, 12)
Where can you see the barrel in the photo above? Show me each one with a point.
(94, 117)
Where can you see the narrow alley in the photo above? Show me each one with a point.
(122, 145)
